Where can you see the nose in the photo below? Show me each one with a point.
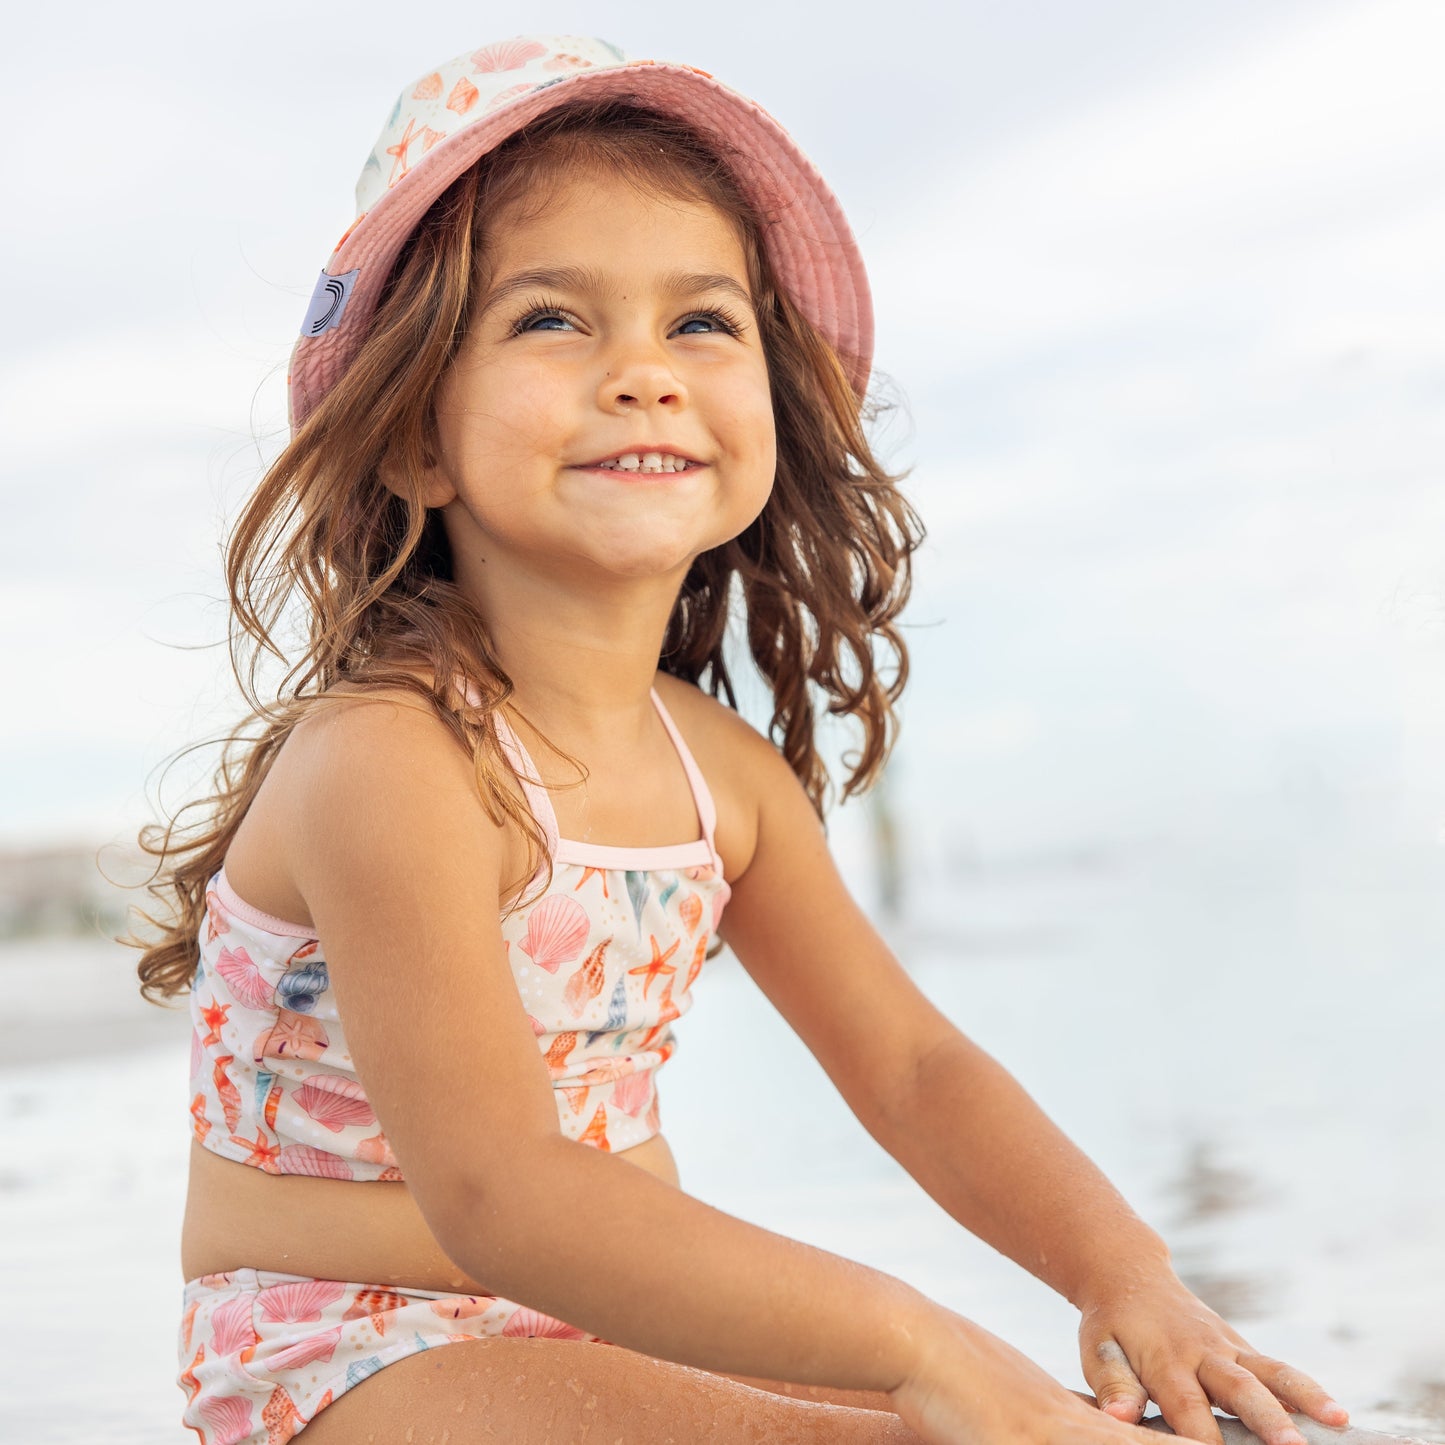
(639, 374)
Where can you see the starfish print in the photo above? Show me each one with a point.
(587, 873)
(658, 963)
(399, 150)
(263, 1155)
(215, 1016)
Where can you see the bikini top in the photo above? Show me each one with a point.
(604, 960)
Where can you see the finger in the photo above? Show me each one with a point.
(1100, 1429)
(1186, 1409)
(1116, 1387)
(1297, 1390)
(1242, 1393)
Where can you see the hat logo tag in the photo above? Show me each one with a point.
(328, 301)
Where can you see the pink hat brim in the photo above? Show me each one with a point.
(813, 253)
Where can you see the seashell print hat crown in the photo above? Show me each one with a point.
(458, 112)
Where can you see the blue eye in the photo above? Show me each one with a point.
(538, 321)
(713, 320)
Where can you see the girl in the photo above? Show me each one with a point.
(584, 377)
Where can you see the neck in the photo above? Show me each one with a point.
(582, 660)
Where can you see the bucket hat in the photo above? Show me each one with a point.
(453, 115)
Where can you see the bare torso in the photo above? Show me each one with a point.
(239, 1217)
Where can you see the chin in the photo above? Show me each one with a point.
(627, 553)
(639, 563)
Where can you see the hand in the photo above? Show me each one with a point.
(1152, 1338)
(967, 1385)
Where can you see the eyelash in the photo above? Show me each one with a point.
(536, 309)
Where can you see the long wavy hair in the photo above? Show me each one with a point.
(820, 576)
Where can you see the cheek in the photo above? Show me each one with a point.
(499, 413)
(749, 407)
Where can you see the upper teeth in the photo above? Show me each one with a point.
(645, 462)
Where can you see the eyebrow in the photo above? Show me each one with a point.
(588, 278)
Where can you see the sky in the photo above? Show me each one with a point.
(1157, 289)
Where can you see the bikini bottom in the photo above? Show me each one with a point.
(262, 1354)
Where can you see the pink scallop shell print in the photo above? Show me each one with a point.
(510, 93)
(532, 1324)
(300, 1302)
(244, 979)
(229, 1419)
(303, 1159)
(632, 1093)
(231, 1330)
(305, 1352)
(335, 1103)
(506, 55)
(556, 932)
(217, 921)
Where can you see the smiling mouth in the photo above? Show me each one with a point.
(652, 464)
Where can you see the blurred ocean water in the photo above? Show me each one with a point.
(1249, 1046)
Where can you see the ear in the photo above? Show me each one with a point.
(428, 484)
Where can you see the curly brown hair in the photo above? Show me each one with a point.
(820, 576)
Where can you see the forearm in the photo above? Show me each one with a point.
(628, 1257)
(968, 1132)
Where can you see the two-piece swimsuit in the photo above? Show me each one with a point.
(604, 960)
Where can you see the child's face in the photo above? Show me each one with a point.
(599, 336)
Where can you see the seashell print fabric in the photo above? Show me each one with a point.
(464, 89)
(262, 1354)
(604, 961)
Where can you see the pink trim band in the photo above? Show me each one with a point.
(599, 855)
(233, 903)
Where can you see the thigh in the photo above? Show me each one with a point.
(823, 1394)
(556, 1392)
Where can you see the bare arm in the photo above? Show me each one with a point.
(1011, 1176)
(401, 869)
(951, 1115)
(967, 1131)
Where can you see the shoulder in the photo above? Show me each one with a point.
(743, 769)
(707, 722)
(360, 767)
(361, 740)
